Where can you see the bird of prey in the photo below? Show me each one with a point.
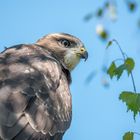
(35, 98)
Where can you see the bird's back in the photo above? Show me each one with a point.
(35, 100)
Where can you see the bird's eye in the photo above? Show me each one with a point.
(65, 42)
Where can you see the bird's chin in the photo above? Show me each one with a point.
(71, 66)
(72, 63)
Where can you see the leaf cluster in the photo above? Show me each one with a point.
(116, 71)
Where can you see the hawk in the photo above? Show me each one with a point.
(35, 98)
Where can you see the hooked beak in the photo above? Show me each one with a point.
(84, 55)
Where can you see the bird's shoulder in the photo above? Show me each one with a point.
(28, 58)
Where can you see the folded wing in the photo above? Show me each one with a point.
(35, 100)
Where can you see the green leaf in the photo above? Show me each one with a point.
(129, 63)
(132, 101)
(128, 136)
(132, 6)
(90, 77)
(109, 44)
(99, 12)
(104, 35)
(111, 70)
(88, 17)
(107, 4)
(119, 71)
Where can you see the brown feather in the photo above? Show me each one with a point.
(35, 100)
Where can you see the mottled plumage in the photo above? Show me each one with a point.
(35, 99)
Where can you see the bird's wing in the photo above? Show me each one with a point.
(34, 95)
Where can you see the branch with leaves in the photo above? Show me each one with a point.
(131, 99)
(109, 10)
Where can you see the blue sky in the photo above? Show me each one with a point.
(97, 112)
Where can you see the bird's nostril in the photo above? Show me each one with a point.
(82, 49)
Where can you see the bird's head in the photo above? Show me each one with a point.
(67, 48)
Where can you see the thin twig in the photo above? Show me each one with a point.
(123, 54)
(134, 86)
(124, 57)
(119, 59)
(136, 133)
